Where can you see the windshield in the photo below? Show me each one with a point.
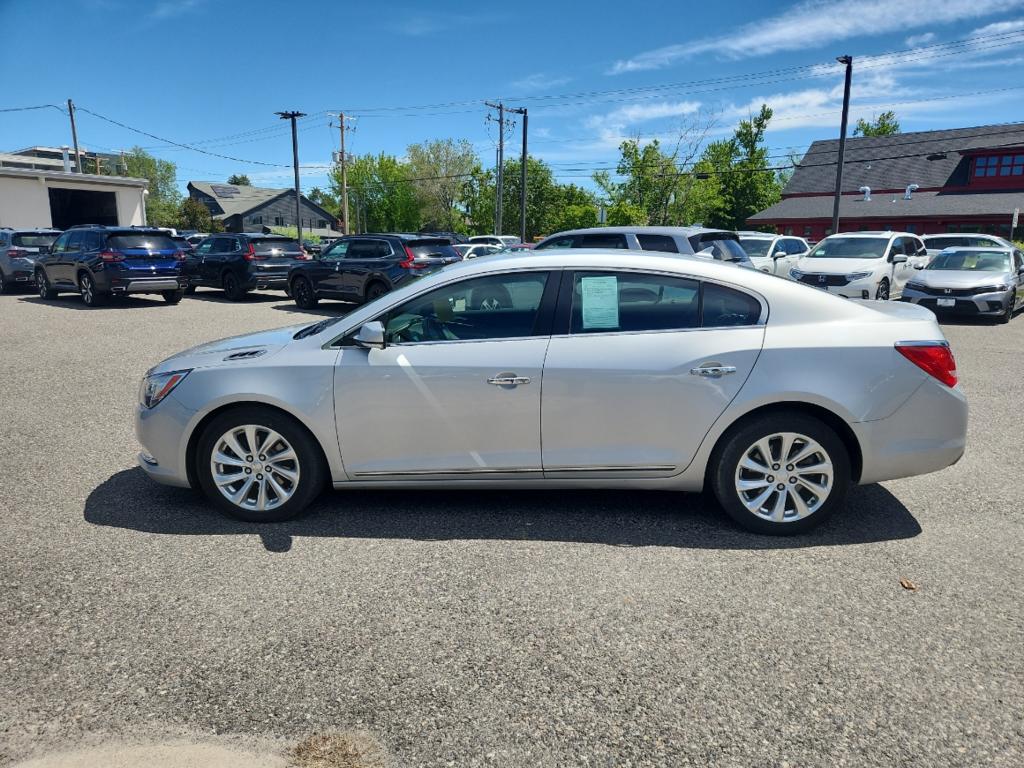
(850, 248)
(959, 241)
(265, 245)
(756, 246)
(722, 247)
(33, 240)
(141, 242)
(975, 261)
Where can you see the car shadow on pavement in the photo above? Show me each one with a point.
(329, 309)
(254, 297)
(132, 501)
(74, 301)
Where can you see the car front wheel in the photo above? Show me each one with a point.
(781, 474)
(303, 294)
(882, 292)
(259, 465)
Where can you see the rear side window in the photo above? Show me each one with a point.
(557, 242)
(604, 302)
(662, 243)
(32, 239)
(725, 307)
(722, 247)
(141, 242)
(266, 245)
(600, 240)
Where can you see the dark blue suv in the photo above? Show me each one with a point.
(99, 262)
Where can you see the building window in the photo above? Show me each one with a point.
(788, 231)
(999, 165)
(807, 229)
(279, 221)
(322, 223)
(256, 219)
(910, 228)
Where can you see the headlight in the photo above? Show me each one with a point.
(858, 276)
(158, 386)
(796, 274)
(992, 288)
(915, 286)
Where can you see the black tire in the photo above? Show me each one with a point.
(5, 287)
(882, 291)
(232, 287)
(303, 294)
(173, 297)
(375, 290)
(91, 295)
(190, 290)
(311, 466)
(46, 291)
(725, 473)
(1007, 315)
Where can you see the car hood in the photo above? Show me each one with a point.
(235, 350)
(960, 278)
(838, 266)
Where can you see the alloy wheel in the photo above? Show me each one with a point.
(86, 287)
(254, 467)
(882, 293)
(784, 476)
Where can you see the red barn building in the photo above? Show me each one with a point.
(959, 180)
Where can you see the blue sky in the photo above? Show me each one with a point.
(211, 73)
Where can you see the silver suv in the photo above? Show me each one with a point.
(719, 244)
(18, 251)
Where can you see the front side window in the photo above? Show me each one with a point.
(61, 244)
(851, 248)
(74, 243)
(756, 246)
(605, 302)
(336, 251)
(482, 308)
(663, 243)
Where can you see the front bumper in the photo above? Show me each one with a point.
(925, 434)
(979, 304)
(161, 431)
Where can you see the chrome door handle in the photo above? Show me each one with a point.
(713, 371)
(508, 381)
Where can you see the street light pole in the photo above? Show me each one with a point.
(295, 162)
(848, 61)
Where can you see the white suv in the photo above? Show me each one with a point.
(863, 265)
(775, 254)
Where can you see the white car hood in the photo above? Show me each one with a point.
(838, 266)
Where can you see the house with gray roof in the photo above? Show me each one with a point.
(259, 209)
(956, 180)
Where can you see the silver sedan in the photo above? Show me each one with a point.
(971, 281)
(567, 368)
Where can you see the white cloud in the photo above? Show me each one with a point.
(999, 28)
(640, 113)
(915, 40)
(817, 23)
(538, 82)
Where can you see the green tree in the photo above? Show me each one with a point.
(626, 214)
(380, 186)
(885, 124)
(163, 198)
(192, 214)
(441, 168)
(239, 179)
(325, 200)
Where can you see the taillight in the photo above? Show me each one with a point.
(17, 253)
(303, 256)
(933, 357)
(111, 256)
(179, 255)
(409, 262)
(250, 254)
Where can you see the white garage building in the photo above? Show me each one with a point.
(38, 197)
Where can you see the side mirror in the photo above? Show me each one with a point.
(371, 335)
(899, 258)
(919, 266)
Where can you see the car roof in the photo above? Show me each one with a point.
(871, 233)
(36, 231)
(983, 248)
(761, 235)
(962, 234)
(646, 230)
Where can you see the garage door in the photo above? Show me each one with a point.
(82, 206)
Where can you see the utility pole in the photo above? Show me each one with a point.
(295, 162)
(848, 61)
(344, 176)
(74, 137)
(522, 185)
(499, 192)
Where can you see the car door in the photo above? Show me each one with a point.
(639, 367)
(456, 390)
(195, 263)
(780, 257)
(896, 259)
(212, 263)
(365, 257)
(51, 261)
(796, 249)
(1018, 268)
(327, 270)
(67, 261)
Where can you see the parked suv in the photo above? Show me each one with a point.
(363, 267)
(18, 251)
(775, 254)
(239, 263)
(99, 262)
(717, 244)
(862, 265)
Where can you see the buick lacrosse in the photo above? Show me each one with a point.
(567, 368)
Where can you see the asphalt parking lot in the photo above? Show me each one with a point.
(492, 628)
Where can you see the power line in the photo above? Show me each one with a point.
(38, 106)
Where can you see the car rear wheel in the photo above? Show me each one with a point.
(882, 292)
(190, 290)
(303, 294)
(781, 474)
(91, 295)
(43, 285)
(375, 291)
(259, 465)
(173, 297)
(233, 287)
(5, 287)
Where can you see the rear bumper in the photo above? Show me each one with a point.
(274, 282)
(927, 433)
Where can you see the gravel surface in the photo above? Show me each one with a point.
(491, 628)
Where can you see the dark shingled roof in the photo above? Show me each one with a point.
(893, 162)
(889, 205)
